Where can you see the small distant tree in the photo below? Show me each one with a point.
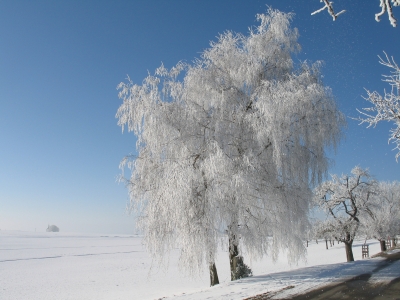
(386, 107)
(344, 199)
(230, 144)
(52, 228)
(325, 230)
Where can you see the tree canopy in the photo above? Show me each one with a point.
(230, 144)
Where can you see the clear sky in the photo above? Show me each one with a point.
(60, 63)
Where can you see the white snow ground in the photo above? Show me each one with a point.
(62, 266)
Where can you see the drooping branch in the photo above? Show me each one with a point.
(386, 107)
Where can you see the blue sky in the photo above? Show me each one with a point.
(60, 63)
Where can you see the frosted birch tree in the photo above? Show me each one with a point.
(386, 107)
(344, 199)
(229, 146)
(385, 5)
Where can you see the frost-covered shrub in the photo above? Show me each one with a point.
(242, 270)
(52, 228)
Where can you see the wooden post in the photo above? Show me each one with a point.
(388, 244)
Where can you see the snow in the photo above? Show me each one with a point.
(82, 266)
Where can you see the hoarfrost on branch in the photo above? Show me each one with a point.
(385, 5)
(328, 6)
(386, 107)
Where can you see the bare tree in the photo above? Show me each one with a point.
(386, 107)
(344, 199)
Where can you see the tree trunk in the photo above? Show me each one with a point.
(234, 259)
(383, 245)
(307, 243)
(349, 250)
(393, 242)
(213, 274)
(326, 242)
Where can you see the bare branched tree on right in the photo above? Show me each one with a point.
(381, 220)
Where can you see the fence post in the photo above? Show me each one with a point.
(365, 251)
(388, 244)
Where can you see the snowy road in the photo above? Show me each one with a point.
(285, 285)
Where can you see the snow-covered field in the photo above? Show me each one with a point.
(82, 266)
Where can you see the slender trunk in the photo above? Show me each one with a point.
(213, 274)
(349, 250)
(316, 241)
(383, 245)
(393, 242)
(307, 243)
(326, 242)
